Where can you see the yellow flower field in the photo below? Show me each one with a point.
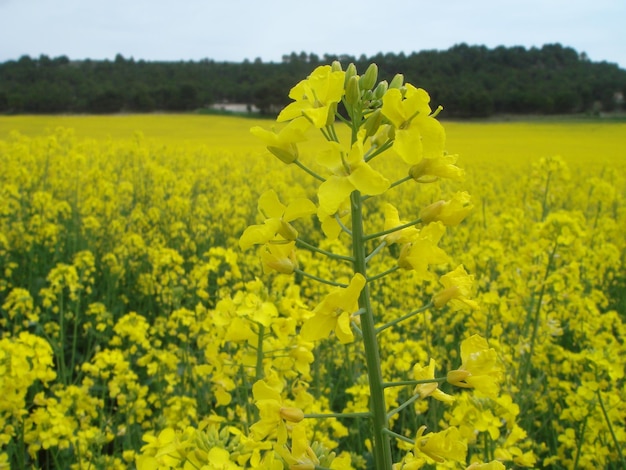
(137, 333)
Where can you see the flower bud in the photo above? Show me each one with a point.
(336, 66)
(380, 90)
(397, 81)
(350, 72)
(332, 110)
(285, 156)
(431, 213)
(368, 80)
(353, 92)
(373, 122)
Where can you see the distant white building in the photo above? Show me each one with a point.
(235, 107)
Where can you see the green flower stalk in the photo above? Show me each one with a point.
(387, 121)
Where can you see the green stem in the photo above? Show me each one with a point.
(414, 382)
(342, 225)
(580, 442)
(379, 150)
(381, 444)
(608, 422)
(319, 279)
(259, 354)
(394, 229)
(364, 414)
(383, 274)
(309, 171)
(525, 369)
(377, 250)
(400, 181)
(399, 436)
(397, 410)
(75, 335)
(308, 246)
(404, 317)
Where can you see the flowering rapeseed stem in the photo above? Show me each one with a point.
(386, 120)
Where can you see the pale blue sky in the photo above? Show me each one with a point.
(234, 30)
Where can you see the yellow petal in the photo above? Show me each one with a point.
(368, 181)
(270, 205)
(299, 208)
(343, 329)
(408, 144)
(317, 327)
(333, 192)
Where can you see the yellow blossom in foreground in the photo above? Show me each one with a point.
(272, 412)
(316, 97)
(417, 134)
(450, 212)
(277, 220)
(283, 143)
(280, 257)
(349, 172)
(334, 313)
(430, 170)
(479, 368)
(423, 250)
(458, 285)
(392, 220)
(441, 446)
(432, 388)
(301, 456)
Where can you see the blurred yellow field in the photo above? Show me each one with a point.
(134, 325)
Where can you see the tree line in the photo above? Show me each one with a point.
(470, 81)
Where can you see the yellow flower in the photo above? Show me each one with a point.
(282, 144)
(441, 446)
(431, 169)
(219, 459)
(273, 413)
(277, 218)
(429, 389)
(392, 219)
(479, 368)
(417, 134)
(450, 212)
(334, 313)
(301, 456)
(280, 257)
(350, 172)
(316, 97)
(162, 450)
(423, 251)
(457, 292)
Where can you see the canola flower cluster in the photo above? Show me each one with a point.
(139, 329)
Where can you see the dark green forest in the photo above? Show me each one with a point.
(470, 81)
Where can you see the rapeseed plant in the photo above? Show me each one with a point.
(386, 122)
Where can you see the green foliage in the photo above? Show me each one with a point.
(473, 81)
